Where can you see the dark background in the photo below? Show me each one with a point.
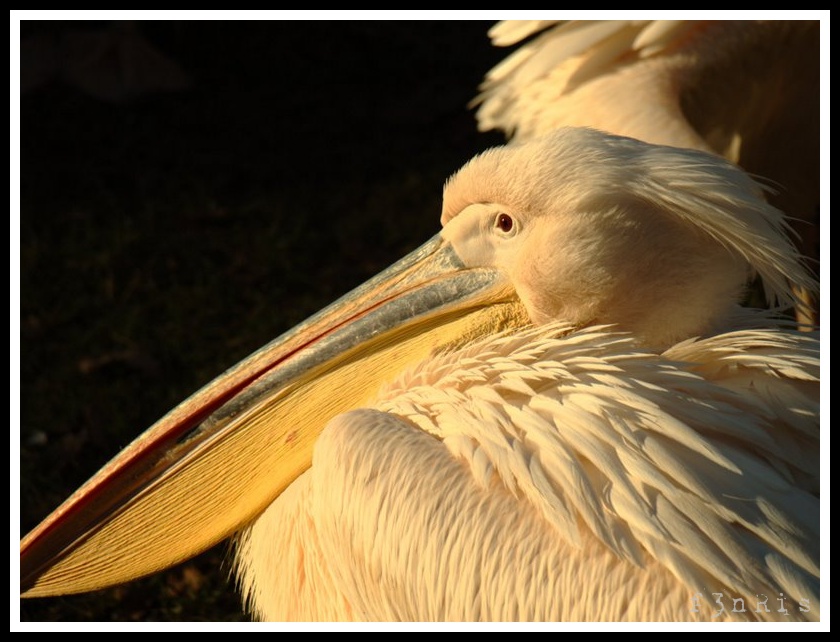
(178, 213)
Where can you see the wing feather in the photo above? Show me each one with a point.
(658, 476)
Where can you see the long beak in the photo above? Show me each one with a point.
(221, 457)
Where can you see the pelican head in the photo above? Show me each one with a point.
(593, 228)
(577, 226)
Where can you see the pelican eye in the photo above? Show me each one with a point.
(504, 223)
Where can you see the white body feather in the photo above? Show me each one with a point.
(554, 476)
(696, 84)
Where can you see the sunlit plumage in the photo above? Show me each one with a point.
(571, 418)
(748, 90)
(557, 473)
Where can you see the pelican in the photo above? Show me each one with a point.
(555, 409)
(745, 89)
